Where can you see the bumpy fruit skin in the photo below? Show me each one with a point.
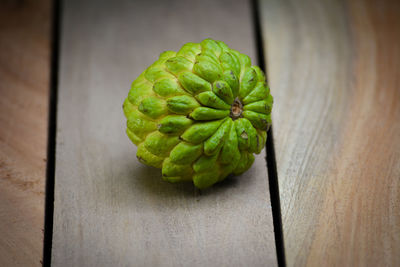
(200, 113)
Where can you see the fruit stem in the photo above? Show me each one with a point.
(236, 109)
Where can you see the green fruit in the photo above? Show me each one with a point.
(200, 113)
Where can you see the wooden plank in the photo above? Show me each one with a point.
(109, 209)
(334, 69)
(24, 86)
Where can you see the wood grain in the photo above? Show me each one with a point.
(109, 209)
(334, 69)
(24, 85)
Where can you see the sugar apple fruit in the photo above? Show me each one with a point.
(200, 113)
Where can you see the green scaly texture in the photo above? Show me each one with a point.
(199, 114)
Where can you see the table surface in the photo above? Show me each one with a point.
(333, 68)
(24, 88)
(100, 187)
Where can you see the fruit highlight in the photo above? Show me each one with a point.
(200, 113)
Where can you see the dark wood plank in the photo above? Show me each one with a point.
(24, 87)
(334, 69)
(109, 209)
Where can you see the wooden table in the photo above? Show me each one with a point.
(333, 68)
(24, 88)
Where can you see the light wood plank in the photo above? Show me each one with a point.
(334, 69)
(109, 209)
(24, 87)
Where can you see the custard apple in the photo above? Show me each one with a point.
(200, 113)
